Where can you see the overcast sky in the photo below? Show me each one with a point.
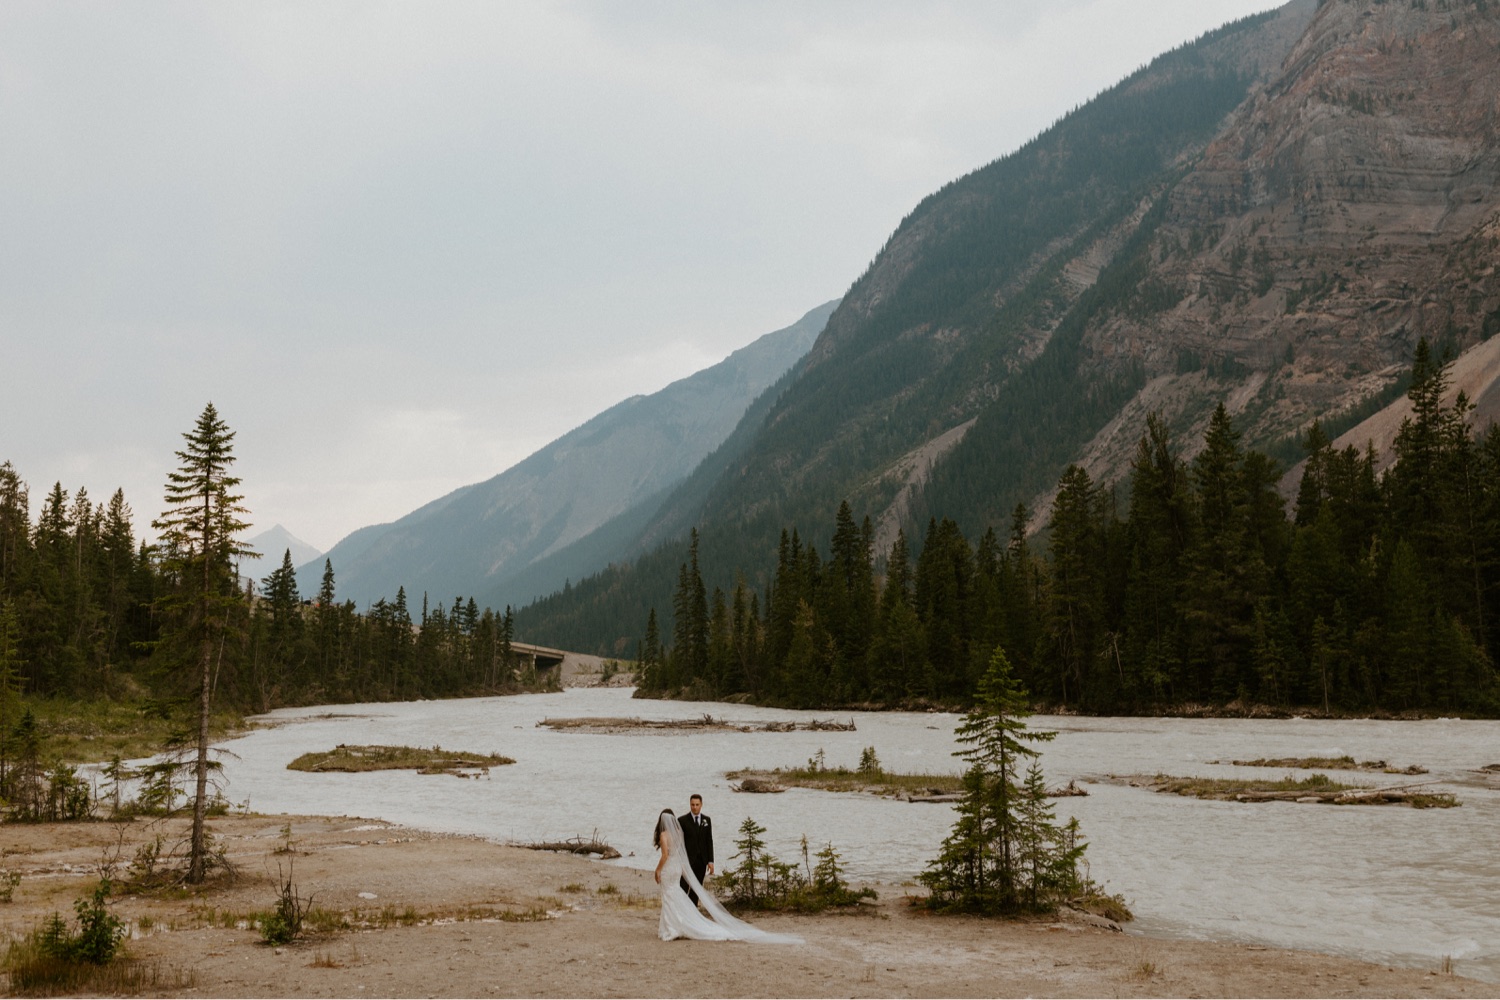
(402, 246)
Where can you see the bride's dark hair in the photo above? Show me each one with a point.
(656, 834)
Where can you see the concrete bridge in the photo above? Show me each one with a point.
(540, 658)
(572, 669)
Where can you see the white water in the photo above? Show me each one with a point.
(1395, 885)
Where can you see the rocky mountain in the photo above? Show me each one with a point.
(1271, 217)
(475, 538)
(273, 544)
(1268, 217)
(1475, 373)
(1347, 209)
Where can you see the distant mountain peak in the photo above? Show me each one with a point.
(273, 544)
(471, 540)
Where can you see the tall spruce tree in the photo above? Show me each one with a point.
(649, 667)
(1001, 838)
(1074, 607)
(1159, 532)
(10, 688)
(199, 532)
(898, 651)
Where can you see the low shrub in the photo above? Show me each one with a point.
(56, 958)
(761, 882)
(283, 924)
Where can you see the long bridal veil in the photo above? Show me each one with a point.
(683, 916)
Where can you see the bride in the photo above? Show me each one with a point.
(679, 917)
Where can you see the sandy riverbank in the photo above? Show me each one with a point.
(593, 940)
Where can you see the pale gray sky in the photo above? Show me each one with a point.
(401, 246)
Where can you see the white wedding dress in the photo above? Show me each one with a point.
(680, 918)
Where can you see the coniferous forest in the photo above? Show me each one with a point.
(1190, 586)
(83, 608)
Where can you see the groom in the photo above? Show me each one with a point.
(698, 838)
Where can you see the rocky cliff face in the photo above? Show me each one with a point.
(1269, 217)
(1348, 208)
(1008, 318)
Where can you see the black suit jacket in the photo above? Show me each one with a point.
(699, 840)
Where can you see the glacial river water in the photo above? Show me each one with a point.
(1389, 884)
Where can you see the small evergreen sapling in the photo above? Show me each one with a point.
(1005, 854)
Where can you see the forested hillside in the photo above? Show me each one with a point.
(969, 308)
(1188, 588)
(1266, 220)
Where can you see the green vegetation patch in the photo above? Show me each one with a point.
(761, 882)
(1228, 788)
(348, 757)
(88, 957)
(844, 780)
(80, 731)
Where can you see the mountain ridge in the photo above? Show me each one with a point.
(469, 540)
(1269, 217)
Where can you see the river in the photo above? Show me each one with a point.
(1387, 884)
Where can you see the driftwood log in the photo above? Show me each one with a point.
(932, 797)
(1091, 919)
(614, 724)
(1390, 795)
(576, 845)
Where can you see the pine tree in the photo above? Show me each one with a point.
(10, 687)
(1419, 443)
(199, 536)
(1159, 531)
(1047, 856)
(15, 527)
(898, 652)
(943, 598)
(1075, 612)
(744, 640)
(326, 590)
(1225, 570)
(507, 636)
(689, 655)
(1312, 490)
(280, 590)
(327, 617)
(979, 866)
(26, 784)
(720, 643)
(649, 668)
(117, 568)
